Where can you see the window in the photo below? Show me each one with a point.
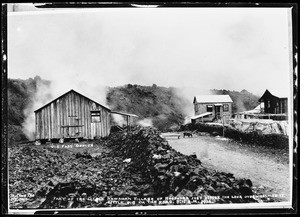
(283, 106)
(209, 108)
(269, 104)
(277, 109)
(226, 107)
(96, 116)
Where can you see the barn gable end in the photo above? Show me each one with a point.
(72, 115)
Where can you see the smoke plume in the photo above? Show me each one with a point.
(119, 120)
(46, 92)
(187, 95)
(147, 122)
(40, 98)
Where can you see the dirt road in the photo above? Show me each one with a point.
(268, 172)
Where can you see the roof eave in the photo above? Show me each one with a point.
(66, 94)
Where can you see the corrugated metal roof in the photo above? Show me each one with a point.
(212, 98)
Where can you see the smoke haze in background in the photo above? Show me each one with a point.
(221, 48)
(194, 48)
(41, 97)
(48, 92)
(119, 119)
(146, 122)
(188, 93)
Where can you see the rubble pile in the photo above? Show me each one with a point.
(173, 174)
(139, 164)
(41, 177)
(33, 171)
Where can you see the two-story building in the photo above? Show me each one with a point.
(276, 105)
(209, 108)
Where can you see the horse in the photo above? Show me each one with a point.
(187, 134)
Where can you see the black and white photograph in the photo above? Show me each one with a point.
(149, 108)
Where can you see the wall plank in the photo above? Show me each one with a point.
(50, 118)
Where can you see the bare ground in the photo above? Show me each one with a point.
(267, 168)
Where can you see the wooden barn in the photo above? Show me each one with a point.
(72, 115)
(273, 104)
(276, 105)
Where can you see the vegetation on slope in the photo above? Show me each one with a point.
(242, 101)
(20, 96)
(162, 105)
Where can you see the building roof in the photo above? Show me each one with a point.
(212, 99)
(258, 109)
(201, 115)
(125, 114)
(278, 93)
(268, 93)
(75, 93)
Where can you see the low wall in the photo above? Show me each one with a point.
(268, 140)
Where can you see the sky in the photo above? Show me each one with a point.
(200, 48)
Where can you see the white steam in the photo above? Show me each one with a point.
(46, 93)
(187, 94)
(42, 96)
(147, 122)
(187, 120)
(119, 119)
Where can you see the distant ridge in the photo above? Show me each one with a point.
(165, 108)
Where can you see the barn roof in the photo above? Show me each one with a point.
(272, 93)
(75, 93)
(212, 98)
(125, 114)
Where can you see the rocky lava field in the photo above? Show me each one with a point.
(138, 168)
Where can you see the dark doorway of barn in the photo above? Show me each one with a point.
(218, 111)
(96, 128)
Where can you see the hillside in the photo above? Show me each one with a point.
(20, 96)
(242, 101)
(161, 107)
(164, 106)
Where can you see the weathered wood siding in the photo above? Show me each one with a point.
(201, 108)
(70, 117)
(273, 105)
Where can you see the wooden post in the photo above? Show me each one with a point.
(127, 123)
(223, 125)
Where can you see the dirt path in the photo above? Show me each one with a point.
(269, 175)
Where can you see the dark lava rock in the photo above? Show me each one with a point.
(61, 179)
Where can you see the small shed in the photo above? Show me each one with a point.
(128, 117)
(72, 115)
(211, 107)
